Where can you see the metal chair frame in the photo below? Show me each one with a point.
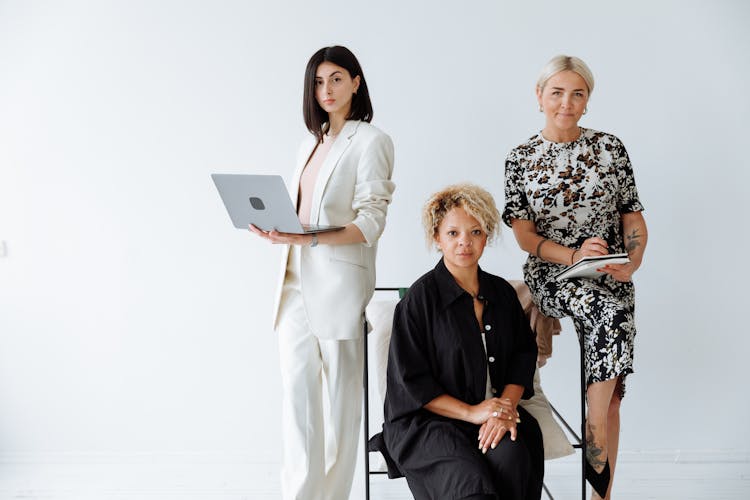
(579, 444)
(366, 381)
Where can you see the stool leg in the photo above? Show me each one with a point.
(583, 418)
(366, 419)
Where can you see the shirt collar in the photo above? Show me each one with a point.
(450, 291)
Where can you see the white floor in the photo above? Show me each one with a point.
(145, 479)
(638, 478)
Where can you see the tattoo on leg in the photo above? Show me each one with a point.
(632, 240)
(594, 453)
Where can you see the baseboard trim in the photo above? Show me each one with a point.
(141, 457)
(678, 456)
(221, 457)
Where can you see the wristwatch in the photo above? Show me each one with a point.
(314, 241)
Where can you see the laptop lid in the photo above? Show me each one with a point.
(262, 200)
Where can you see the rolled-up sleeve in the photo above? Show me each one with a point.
(523, 359)
(410, 379)
(374, 189)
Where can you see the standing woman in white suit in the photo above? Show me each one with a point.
(342, 178)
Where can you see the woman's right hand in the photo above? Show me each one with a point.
(500, 408)
(493, 431)
(278, 238)
(592, 247)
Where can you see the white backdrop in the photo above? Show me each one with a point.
(135, 319)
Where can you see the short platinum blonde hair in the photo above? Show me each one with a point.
(476, 201)
(566, 63)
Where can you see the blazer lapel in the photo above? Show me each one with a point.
(338, 148)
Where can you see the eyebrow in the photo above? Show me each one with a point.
(574, 90)
(337, 71)
(477, 226)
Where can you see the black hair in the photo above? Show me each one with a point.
(314, 115)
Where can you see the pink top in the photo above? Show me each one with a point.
(310, 176)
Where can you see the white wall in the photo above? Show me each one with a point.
(134, 318)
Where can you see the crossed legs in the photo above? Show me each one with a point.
(602, 314)
(610, 333)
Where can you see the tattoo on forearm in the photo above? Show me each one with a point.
(594, 453)
(632, 240)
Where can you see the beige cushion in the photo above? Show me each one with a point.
(380, 316)
(556, 443)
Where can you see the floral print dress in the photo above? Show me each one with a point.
(573, 191)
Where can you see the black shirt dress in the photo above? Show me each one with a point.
(436, 348)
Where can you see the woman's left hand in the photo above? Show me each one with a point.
(278, 238)
(620, 272)
(493, 430)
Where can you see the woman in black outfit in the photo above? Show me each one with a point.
(461, 357)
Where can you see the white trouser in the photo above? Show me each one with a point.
(321, 402)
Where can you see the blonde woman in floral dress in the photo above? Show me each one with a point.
(570, 193)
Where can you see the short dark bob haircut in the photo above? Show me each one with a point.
(314, 115)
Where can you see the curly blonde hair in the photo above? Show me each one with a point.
(476, 201)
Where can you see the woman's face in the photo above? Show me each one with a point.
(563, 99)
(334, 88)
(461, 239)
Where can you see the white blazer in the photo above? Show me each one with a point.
(353, 185)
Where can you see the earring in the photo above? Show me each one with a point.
(585, 110)
(541, 109)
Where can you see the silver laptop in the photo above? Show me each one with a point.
(264, 201)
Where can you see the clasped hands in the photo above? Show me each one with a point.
(497, 416)
(596, 247)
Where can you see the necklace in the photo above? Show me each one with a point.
(466, 289)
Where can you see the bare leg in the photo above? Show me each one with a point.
(613, 440)
(613, 434)
(599, 397)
